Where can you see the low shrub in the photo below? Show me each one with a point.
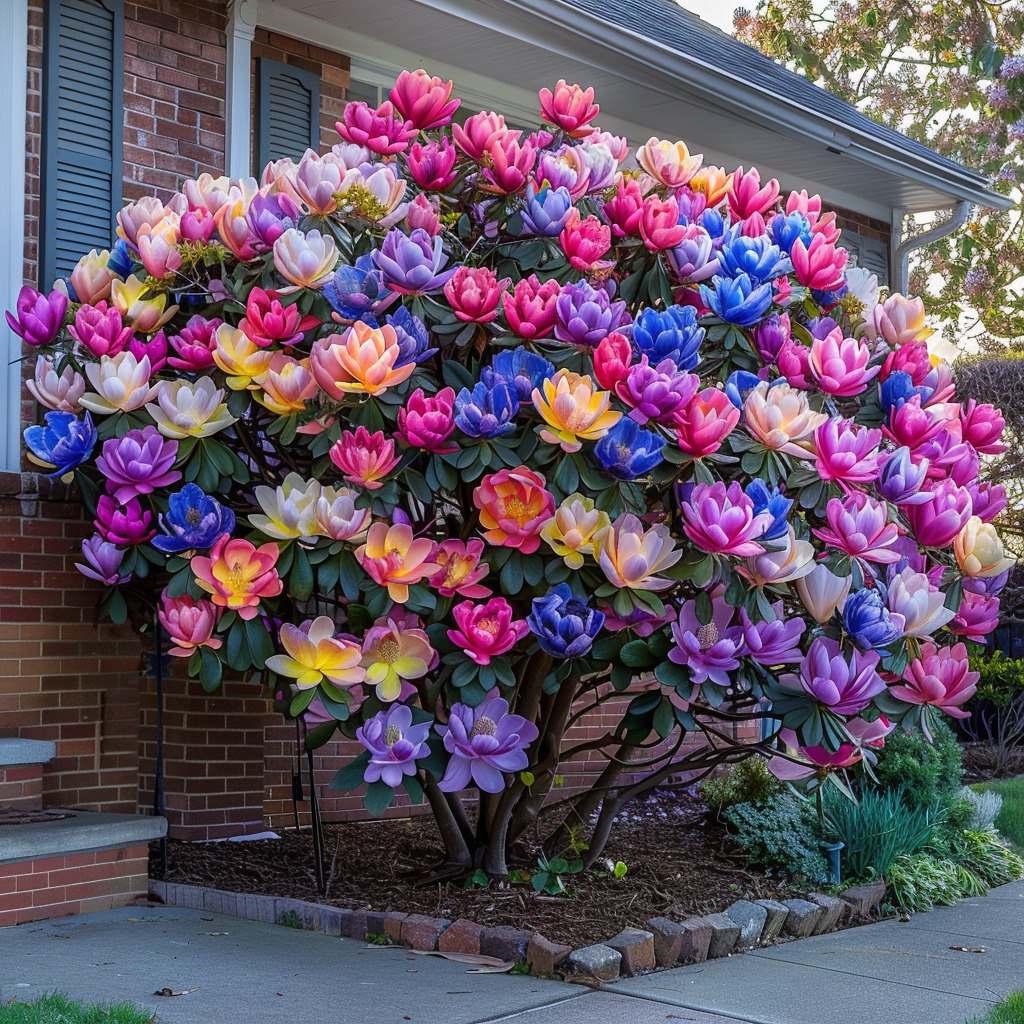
(1010, 820)
(926, 773)
(57, 1008)
(1009, 1011)
(745, 782)
(990, 857)
(985, 808)
(780, 834)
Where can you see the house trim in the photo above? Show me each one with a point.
(241, 31)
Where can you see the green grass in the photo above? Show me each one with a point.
(1011, 818)
(57, 1008)
(1011, 1011)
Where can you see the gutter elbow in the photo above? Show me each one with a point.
(958, 219)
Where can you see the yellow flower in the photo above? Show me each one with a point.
(286, 386)
(392, 653)
(576, 529)
(315, 654)
(240, 358)
(146, 315)
(394, 558)
(289, 510)
(713, 182)
(190, 409)
(574, 410)
(979, 551)
(781, 418)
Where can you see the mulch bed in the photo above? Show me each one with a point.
(681, 863)
(981, 764)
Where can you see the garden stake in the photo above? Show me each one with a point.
(317, 825)
(159, 797)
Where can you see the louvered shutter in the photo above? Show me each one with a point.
(83, 95)
(288, 122)
(869, 253)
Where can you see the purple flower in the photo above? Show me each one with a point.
(138, 463)
(413, 338)
(270, 216)
(127, 524)
(771, 335)
(412, 263)
(102, 561)
(694, 259)
(38, 318)
(712, 649)
(844, 686)
(484, 742)
(900, 479)
(773, 643)
(547, 210)
(585, 315)
(394, 744)
(657, 392)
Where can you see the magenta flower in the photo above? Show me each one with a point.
(394, 745)
(364, 459)
(509, 165)
(425, 101)
(382, 130)
(658, 393)
(860, 528)
(432, 164)
(103, 561)
(844, 685)
(128, 524)
(721, 520)
(474, 294)
(100, 330)
(484, 742)
(486, 630)
(710, 650)
(37, 318)
(138, 463)
(977, 616)
(911, 425)
(154, 348)
(847, 453)
(195, 344)
(427, 423)
(938, 520)
(773, 643)
(987, 499)
(840, 365)
(530, 307)
(460, 569)
(940, 677)
(820, 264)
(981, 425)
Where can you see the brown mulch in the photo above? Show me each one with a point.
(981, 763)
(680, 863)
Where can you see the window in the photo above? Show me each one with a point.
(83, 90)
(870, 253)
(288, 112)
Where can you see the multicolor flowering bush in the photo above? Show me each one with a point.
(458, 433)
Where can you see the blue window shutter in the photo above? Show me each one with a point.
(83, 111)
(869, 253)
(288, 112)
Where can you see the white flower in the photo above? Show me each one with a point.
(187, 409)
(290, 510)
(121, 384)
(58, 391)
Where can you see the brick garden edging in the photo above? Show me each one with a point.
(665, 943)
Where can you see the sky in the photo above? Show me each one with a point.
(717, 12)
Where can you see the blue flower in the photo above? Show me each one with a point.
(522, 369)
(194, 521)
(486, 412)
(737, 300)
(828, 299)
(898, 388)
(714, 224)
(359, 292)
(564, 625)
(757, 257)
(120, 260)
(672, 334)
(900, 479)
(786, 230)
(627, 452)
(773, 501)
(413, 337)
(64, 443)
(547, 210)
(869, 623)
(741, 383)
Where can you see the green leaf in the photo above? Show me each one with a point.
(378, 799)
(351, 776)
(300, 579)
(636, 654)
(301, 701)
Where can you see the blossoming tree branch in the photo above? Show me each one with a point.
(458, 436)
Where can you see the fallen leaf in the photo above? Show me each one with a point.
(60, 935)
(477, 959)
(170, 992)
(969, 949)
(215, 933)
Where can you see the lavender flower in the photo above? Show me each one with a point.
(413, 263)
(773, 643)
(394, 744)
(843, 685)
(102, 561)
(138, 463)
(586, 315)
(712, 649)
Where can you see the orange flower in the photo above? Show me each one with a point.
(238, 575)
(361, 359)
(395, 559)
(514, 506)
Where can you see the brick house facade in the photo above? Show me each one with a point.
(229, 757)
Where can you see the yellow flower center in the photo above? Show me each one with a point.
(392, 735)
(489, 626)
(389, 649)
(484, 727)
(236, 576)
(517, 508)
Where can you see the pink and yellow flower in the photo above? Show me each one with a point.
(631, 557)
(940, 677)
(979, 551)
(306, 260)
(899, 320)
(514, 505)
(486, 631)
(573, 410)
(460, 569)
(364, 458)
(392, 654)
(241, 359)
(576, 529)
(669, 163)
(286, 385)
(92, 277)
(141, 313)
(394, 558)
(360, 360)
(158, 248)
(781, 418)
(189, 624)
(315, 654)
(238, 575)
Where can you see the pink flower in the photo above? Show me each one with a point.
(859, 527)
(427, 423)
(977, 616)
(584, 240)
(364, 458)
(938, 520)
(794, 362)
(101, 330)
(422, 213)
(486, 630)
(612, 360)
(940, 677)
(510, 164)
(840, 365)
(197, 225)
(819, 265)
(899, 320)
(432, 164)
(659, 224)
(424, 101)
(625, 209)
(748, 196)
(195, 344)
(474, 137)
(514, 505)
(570, 108)
(474, 294)
(189, 623)
(705, 422)
(846, 452)
(128, 524)
(530, 307)
(982, 426)
(911, 426)
(721, 520)
(383, 130)
(460, 569)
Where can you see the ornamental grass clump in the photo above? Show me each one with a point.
(458, 432)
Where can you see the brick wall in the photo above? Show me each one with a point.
(21, 786)
(77, 883)
(868, 227)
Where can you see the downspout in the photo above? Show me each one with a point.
(902, 259)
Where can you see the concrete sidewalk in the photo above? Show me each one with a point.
(234, 970)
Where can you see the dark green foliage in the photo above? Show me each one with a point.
(57, 1008)
(781, 834)
(927, 773)
(746, 782)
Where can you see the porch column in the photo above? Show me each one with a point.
(242, 15)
